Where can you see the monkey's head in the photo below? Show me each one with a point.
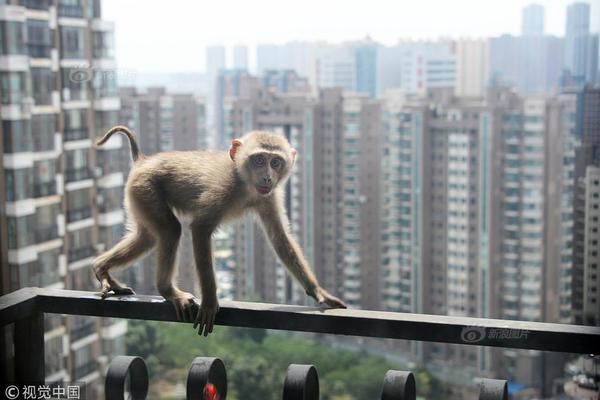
(263, 160)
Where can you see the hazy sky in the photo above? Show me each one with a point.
(171, 35)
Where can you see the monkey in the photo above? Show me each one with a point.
(211, 187)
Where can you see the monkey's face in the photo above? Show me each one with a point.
(263, 160)
(265, 170)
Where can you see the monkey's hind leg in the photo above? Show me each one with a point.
(132, 246)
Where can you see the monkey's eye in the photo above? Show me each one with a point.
(276, 163)
(259, 160)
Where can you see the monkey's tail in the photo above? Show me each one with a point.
(135, 151)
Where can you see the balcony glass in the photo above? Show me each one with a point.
(42, 83)
(110, 199)
(77, 174)
(76, 127)
(20, 231)
(77, 164)
(12, 38)
(18, 184)
(16, 136)
(103, 45)
(36, 4)
(74, 84)
(43, 129)
(72, 42)
(79, 199)
(14, 87)
(80, 253)
(105, 120)
(39, 38)
(70, 8)
(105, 84)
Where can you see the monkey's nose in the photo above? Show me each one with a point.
(268, 179)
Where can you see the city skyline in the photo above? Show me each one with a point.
(141, 48)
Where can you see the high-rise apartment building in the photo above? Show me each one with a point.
(532, 62)
(240, 57)
(61, 196)
(477, 216)
(472, 67)
(586, 262)
(532, 21)
(416, 67)
(581, 47)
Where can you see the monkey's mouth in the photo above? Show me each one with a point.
(263, 189)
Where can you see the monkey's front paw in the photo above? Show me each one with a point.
(184, 304)
(206, 316)
(117, 290)
(323, 297)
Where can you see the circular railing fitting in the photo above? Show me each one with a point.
(493, 389)
(207, 379)
(399, 385)
(118, 370)
(301, 383)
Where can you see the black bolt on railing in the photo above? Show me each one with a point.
(301, 383)
(119, 369)
(493, 389)
(207, 379)
(399, 385)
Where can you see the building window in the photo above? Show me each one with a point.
(14, 86)
(80, 245)
(103, 45)
(43, 181)
(76, 127)
(39, 38)
(43, 127)
(74, 84)
(20, 231)
(17, 136)
(110, 199)
(105, 84)
(12, 38)
(42, 83)
(77, 165)
(36, 4)
(70, 8)
(72, 42)
(104, 121)
(79, 205)
(18, 184)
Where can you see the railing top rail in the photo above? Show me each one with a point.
(421, 327)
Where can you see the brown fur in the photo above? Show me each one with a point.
(210, 188)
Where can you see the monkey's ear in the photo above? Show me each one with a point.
(235, 143)
(294, 153)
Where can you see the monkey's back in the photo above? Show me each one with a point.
(194, 183)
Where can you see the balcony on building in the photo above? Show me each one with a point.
(103, 45)
(80, 253)
(70, 8)
(39, 37)
(78, 174)
(36, 4)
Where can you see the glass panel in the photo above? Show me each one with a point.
(17, 136)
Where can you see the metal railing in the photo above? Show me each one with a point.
(26, 308)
